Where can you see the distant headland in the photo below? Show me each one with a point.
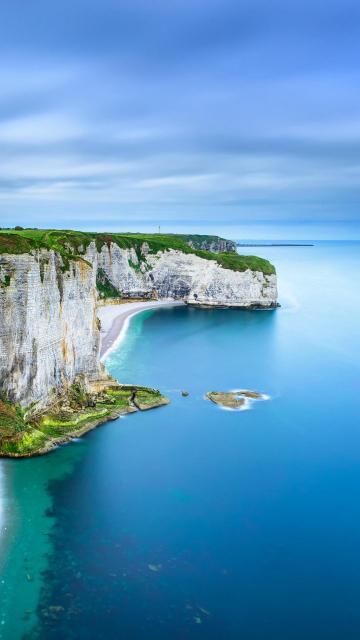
(274, 244)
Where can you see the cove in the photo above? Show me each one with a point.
(194, 522)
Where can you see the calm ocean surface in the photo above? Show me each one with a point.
(192, 522)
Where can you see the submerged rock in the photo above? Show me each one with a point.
(155, 567)
(255, 395)
(227, 399)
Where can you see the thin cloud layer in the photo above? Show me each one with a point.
(138, 112)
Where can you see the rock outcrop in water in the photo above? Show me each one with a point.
(238, 399)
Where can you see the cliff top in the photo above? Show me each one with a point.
(73, 244)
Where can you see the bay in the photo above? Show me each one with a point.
(194, 522)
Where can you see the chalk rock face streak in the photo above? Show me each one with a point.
(48, 325)
(122, 268)
(49, 333)
(188, 277)
(219, 245)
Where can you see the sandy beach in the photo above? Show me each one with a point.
(115, 318)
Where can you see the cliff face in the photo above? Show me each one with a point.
(173, 274)
(212, 244)
(48, 327)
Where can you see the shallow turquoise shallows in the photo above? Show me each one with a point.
(192, 522)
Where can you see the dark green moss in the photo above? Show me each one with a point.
(5, 282)
(11, 419)
(134, 266)
(105, 288)
(43, 262)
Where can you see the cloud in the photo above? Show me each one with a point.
(203, 111)
(39, 129)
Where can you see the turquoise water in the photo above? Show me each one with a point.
(194, 522)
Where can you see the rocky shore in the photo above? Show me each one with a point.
(82, 408)
(237, 399)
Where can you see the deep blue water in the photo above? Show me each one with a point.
(194, 522)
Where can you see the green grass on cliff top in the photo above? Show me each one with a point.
(72, 244)
(19, 437)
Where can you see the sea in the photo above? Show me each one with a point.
(195, 522)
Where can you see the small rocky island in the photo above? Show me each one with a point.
(237, 399)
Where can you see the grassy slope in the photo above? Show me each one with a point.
(72, 244)
(195, 238)
(20, 436)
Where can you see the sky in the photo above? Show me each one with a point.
(239, 117)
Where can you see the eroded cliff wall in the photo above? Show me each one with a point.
(173, 274)
(214, 245)
(48, 325)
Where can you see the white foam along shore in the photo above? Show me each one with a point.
(114, 319)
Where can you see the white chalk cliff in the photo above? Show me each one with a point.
(186, 276)
(49, 332)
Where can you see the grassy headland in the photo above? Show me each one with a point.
(73, 244)
(25, 433)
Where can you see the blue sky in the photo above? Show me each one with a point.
(237, 117)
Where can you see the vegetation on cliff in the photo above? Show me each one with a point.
(205, 241)
(73, 244)
(26, 433)
(105, 289)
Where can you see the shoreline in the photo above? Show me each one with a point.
(139, 398)
(57, 442)
(115, 319)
